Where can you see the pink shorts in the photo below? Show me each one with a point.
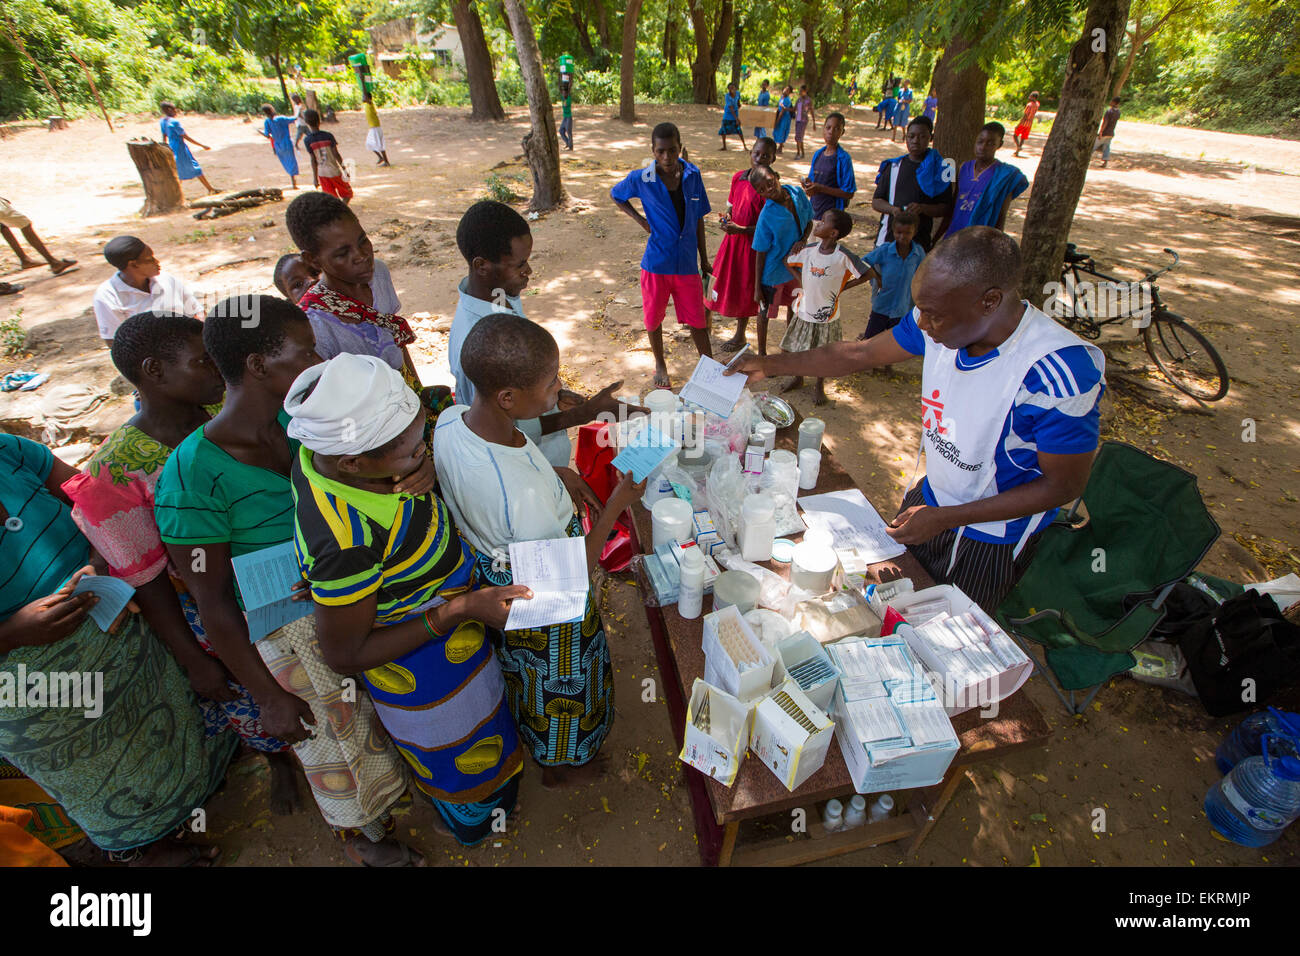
(687, 293)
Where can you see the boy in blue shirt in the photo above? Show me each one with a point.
(892, 266)
(674, 204)
(764, 99)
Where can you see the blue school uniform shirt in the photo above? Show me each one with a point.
(764, 97)
(776, 231)
(896, 272)
(843, 175)
(1056, 411)
(731, 106)
(672, 249)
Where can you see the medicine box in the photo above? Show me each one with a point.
(665, 586)
(890, 723)
(806, 662)
(973, 662)
(717, 732)
(702, 523)
(791, 734)
(733, 654)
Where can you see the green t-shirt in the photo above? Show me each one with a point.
(568, 107)
(204, 496)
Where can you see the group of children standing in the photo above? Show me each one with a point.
(797, 112)
(286, 135)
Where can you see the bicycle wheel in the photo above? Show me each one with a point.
(1185, 357)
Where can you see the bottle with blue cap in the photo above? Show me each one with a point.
(1244, 741)
(1260, 798)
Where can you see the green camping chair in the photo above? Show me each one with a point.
(1097, 584)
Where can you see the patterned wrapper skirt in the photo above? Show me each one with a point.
(355, 773)
(801, 335)
(730, 127)
(136, 772)
(559, 680)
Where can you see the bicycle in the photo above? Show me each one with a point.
(1182, 354)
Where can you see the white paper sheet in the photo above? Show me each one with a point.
(266, 579)
(556, 571)
(712, 390)
(852, 523)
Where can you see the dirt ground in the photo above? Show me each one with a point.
(1229, 204)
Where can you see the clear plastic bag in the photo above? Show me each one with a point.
(726, 490)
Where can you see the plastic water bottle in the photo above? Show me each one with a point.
(1243, 742)
(833, 816)
(691, 590)
(1254, 803)
(856, 814)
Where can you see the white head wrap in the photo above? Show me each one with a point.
(358, 403)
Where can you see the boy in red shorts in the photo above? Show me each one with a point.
(674, 204)
(326, 161)
(1026, 124)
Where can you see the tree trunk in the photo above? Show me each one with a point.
(311, 101)
(1127, 68)
(584, 39)
(961, 97)
(93, 89)
(22, 48)
(1068, 150)
(737, 52)
(284, 88)
(833, 54)
(542, 143)
(627, 66)
(709, 47)
(809, 26)
(157, 168)
(602, 25)
(670, 42)
(478, 63)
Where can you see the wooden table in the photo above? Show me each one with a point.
(757, 792)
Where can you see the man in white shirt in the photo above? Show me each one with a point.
(139, 285)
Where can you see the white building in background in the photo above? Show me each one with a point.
(439, 44)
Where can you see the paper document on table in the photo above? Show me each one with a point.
(266, 579)
(852, 523)
(113, 593)
(556, 571)
(644, 452)
(712, 390)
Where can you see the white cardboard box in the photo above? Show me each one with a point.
(796, 649)
(791, 734)
(718, 752)
(957, 677)
(726, 634)
(891, 726)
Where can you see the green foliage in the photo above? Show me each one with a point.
(499, 188)
(12, 334)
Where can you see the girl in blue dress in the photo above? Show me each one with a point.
(731, 118)
(782, 131)
(277, 130)
(175, 135)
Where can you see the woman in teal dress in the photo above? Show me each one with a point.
(782, 130)
(176, 137)
(130, 762)
(276, 129)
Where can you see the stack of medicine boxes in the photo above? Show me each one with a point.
(663, 567)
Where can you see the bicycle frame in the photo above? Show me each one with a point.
(1086, 319)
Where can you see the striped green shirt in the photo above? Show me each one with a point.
(353, 543)
(204, 496)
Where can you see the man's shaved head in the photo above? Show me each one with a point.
(961, 286)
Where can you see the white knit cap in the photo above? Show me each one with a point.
(358, 403)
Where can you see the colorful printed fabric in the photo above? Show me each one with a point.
(444, 702)
(48, 822)
(560, 680)
(471, 823)
(136, 772)
(355, 774)
(321, 296)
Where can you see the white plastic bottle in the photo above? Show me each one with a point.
(690, 594)
(856, 814)
(757, 527)
(833, 816)
(881, 809)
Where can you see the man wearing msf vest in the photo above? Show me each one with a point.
(1009, 411)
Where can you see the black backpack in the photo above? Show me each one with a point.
(1247, 639)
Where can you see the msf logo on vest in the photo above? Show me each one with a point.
(942, 432)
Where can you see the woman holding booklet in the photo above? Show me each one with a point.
(396, 589)
(501, 489)
(224, 492)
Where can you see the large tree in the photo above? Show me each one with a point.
(711, 23)
(483, 96)
(1148, 17)
(627, 65)
(1064, 164)
(823, 38)
(961, 86)
(542, 142)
